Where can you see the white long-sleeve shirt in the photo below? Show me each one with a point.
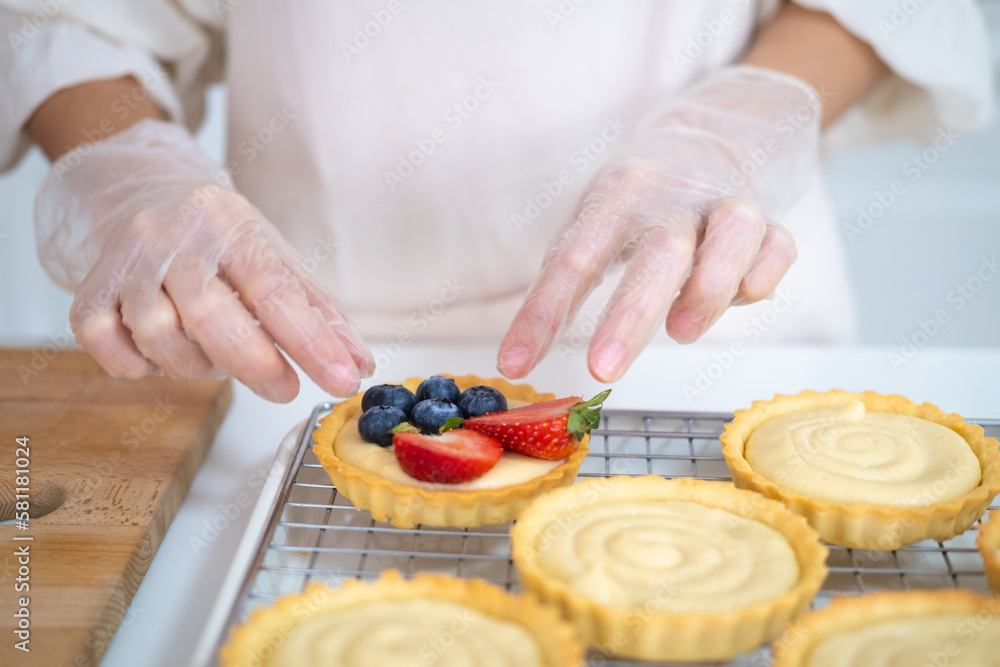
(421, 156)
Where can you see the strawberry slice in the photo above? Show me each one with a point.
(549, 430)
(452, 457)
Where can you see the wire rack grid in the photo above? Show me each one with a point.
(315, 534)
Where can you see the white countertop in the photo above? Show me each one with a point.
(174, 601)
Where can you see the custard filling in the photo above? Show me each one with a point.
(956, 640)
(844, 453)
(404, 633)
(669, 555)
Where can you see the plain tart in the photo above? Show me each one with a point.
(867, 470)
(988, 543)
(943, 627)
(393, 622)
(372, 479)
(668, 570)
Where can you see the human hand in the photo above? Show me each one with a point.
(685, 202)
(176, 272)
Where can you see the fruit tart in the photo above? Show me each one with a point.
(943, 627)
(669, 570)
(453, 451)
(868, 471)
(430, 619)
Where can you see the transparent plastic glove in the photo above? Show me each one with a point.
(175, 271)
(686, 202)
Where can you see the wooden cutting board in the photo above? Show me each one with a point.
(110, 461)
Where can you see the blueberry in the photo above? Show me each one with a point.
(430, 415)
(438, 387)
(374, 425)
(479, 400)
(395, 395)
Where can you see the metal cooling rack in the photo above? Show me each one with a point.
(315, 534)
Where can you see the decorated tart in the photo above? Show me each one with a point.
(944, 627)
(988, 543)
(430, 619)
(453, 451)
(668, 570)
(868, 471)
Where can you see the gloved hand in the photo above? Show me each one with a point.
(175, 271)
(686, 202)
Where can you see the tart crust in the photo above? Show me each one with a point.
(669, 636)
(556, 640)
(848, 613)
(405, 506)
(988, 543)
(868, 525)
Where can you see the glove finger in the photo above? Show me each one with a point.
(641, 299)
(570, 271)
(97, 323)
(276, 297)
(335, 318)
(213, 315)
(320, 298)
(777, 254)
(158, 334)
(732, 239)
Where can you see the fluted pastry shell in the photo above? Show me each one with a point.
(405, 506)
(662, 635)
(988, 543)
(867, 525)
(251, 642)
(851, 613)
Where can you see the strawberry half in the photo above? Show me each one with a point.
(549, 430)
(452, 457)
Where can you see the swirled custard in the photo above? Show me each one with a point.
(401, 633)
(844, 453)
(961, 641)
(431, 619)
(677, 555)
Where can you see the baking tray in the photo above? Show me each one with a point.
(312, 533)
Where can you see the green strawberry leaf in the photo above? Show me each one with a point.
(405, 427)
(452, 422)
(586, 415)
